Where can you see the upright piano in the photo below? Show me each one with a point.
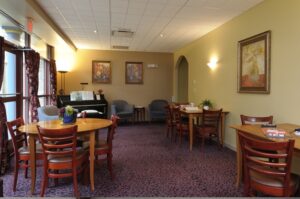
(99, 105)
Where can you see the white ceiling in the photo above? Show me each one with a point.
(180, 21)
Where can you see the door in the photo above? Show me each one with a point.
(182, 77)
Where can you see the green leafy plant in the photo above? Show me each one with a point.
(206, 102)
(68, 110)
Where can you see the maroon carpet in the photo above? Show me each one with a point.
(147, 164)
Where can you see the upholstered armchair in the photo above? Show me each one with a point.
(46, 113)
(122, 109)
(157, 109)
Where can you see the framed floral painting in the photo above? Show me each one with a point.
(254, 64)
(134, 72)
(101, 72)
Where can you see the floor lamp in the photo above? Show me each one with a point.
(62, 82)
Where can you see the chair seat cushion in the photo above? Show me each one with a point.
(183, 126)
(86, 144)
(101, 144)
(25, 150)
(102, 147)
(206, 129)
(159, 112)
(124, 113)
(66, 158)
(268, 180)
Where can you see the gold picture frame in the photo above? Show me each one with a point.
(101, 72)
(254, 64)
(134, 72)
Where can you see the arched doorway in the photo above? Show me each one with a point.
(182, 79)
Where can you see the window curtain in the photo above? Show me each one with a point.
(32, 61)
(53, 82)
(3, 119)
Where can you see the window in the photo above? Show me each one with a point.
(43, 89)
(44, 82)
(10, 90)
(9, 87)
(15, 90)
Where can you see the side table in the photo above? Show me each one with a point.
(139, 113)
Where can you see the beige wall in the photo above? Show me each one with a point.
(157, 81)
(220, 85)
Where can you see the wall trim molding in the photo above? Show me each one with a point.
(51, 23)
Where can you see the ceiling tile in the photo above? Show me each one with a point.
(181, 21)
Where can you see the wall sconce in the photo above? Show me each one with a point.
(62, 82)
(212, 64)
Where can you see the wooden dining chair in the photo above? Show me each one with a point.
(182, 125)
(170, 121)
(21, 148)
(103, 147)
(256, 120)
(61, 154)
(209, 127)
(260, 175)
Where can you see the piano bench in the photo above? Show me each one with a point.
(93, 114)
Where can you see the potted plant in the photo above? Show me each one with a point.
(206, 104)
(68, 114)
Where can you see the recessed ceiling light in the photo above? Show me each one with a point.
(161, 35)
(95, 31)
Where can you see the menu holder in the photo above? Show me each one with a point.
(297, 133)
(191, 108)
(268, 126)
(274, 133)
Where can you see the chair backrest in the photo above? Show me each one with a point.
(169, 109)
(256, 154)
(178, 116)
(120, 104)
(48, 113)
(158, 104)
(176, 113)
(19, 139)
(211, 118)
(55, 140)
(111, 129)
(256, 120)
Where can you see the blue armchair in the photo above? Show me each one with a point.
(46, 113)
(122, 109)
(157, 109)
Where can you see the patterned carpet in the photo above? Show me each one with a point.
(147, 164)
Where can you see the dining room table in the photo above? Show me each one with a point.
(257, 131)
(86, 126)
(191, 114)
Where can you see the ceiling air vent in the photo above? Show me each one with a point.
(121, 47)
(122, 33)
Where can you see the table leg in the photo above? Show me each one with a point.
(143, 113)
(191, 131)
(32, 147)
(238, 161)
(222, 128)
(92, 158)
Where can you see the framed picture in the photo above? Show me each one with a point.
(101, 72)
(134, 72)
(254, 64)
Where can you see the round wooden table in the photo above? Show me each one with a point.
(85, 126)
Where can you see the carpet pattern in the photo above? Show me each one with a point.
(147, 164)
